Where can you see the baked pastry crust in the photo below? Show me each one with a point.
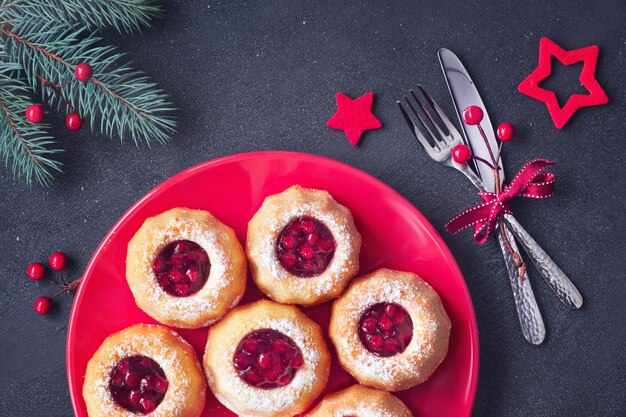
(360, 401)
(276, 212)
(245, 400)
(431, 330)
(226, 282)
(186, 390)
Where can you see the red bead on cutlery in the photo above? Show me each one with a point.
(506, 131)
(461, 154)
(473, 115)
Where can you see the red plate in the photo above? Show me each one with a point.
(395, 235)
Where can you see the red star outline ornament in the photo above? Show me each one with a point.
(589, 56)
(354, 116)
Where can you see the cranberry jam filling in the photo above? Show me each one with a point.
(305, 247)
(182, 267)
(386, 329)
(267, 359)
(138, 384)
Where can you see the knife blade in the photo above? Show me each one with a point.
(464, 93)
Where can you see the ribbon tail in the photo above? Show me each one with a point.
(470, 217)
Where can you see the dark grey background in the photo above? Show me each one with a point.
(262, 75)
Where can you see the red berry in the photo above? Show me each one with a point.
(73, 121)
(306, 252)
(250, 345)
(35, 113)
(264, 360)
(369, 325)
(506, 131)
(58, 261)
(83, 72)
(147, 405)
(287, 241)
(43, 305)
(461, 154)
(385, 323)
(390, 309)
(130, 379)
(307, 226)
(241, 361)
(473, 115)
(134, 396)
(36, 271)
(376, 341)
(312, 238)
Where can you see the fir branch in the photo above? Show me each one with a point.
(118, 99)
(126, 16)
(26, 147)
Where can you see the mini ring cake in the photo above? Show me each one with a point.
(390, 330)
(360, 401)
(144, 369)
(303, 247)
(185, 268)
(266, 359)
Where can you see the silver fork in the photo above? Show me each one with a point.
(439, 148)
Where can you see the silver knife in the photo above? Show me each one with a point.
(464, 94)
(459, 80)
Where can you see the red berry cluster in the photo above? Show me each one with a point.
(473, 115)
(35, 112)
(36, 271)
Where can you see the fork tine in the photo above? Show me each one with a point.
(442, 136)
(416, 131)
(434, 143)
(442, 115)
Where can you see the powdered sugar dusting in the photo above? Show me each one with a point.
(364, 410)
(273, 400)
(208, 301)
(169, 360)
(361, 401)
(324, 282)
(386, 288)
(274, 215)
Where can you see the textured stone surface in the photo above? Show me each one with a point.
(263, 75)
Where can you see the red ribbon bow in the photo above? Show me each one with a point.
(529, 182)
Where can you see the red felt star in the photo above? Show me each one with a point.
(354, 116)
(588, 55)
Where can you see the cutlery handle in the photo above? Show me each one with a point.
(530, 319)
(553, 275)
(562, 286)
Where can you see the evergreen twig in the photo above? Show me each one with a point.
(41, 42)
(118, 99)
(126, 16)
(27, 148)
